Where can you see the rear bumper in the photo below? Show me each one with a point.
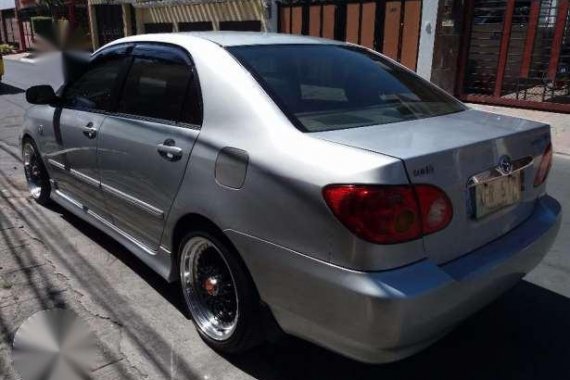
(378, 317)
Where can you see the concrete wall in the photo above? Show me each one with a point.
(427, 38)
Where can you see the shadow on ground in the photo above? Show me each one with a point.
(170, 292)
(41, 226)
(523, 335)
(6, 89)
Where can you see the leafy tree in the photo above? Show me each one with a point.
(49, 6)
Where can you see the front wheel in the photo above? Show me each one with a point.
(219, 294)
(37, 177)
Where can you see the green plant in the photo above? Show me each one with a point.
(6, 49)
(49, 6)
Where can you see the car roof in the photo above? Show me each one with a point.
(227, 38)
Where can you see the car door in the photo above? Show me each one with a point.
(145, 144)
(84, 103)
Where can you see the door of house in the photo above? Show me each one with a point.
(28, 33)
(12, 34)
(517, 52)
(109, 22)
(388, 26)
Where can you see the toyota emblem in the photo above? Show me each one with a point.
(505, 165)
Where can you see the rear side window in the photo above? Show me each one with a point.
(155, 88)
(328, 87)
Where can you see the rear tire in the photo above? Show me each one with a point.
(37, 177)
(219, 293)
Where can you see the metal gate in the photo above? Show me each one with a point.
(12, 31)
(109, 22)
(517, 53)
(388, 26)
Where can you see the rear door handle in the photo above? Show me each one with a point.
(169, 151)
(90, 131)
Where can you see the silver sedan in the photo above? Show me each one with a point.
(295, 183)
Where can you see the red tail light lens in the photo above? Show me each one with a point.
(389, 214)
(544, 167)
(435, 207)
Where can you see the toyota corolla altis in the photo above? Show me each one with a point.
(311, 182)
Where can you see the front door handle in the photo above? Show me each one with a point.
(90, 131)
(169, 151)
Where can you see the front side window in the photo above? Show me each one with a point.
(94, 89)
(155, 88)
(328, 87)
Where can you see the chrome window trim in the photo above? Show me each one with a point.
(170, 123)
(195, 127)
(144, 118)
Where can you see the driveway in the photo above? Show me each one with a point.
(49, 258)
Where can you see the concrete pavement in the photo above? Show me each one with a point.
(22, 74)
(49, 258)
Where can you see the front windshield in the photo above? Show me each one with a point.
(328, 87)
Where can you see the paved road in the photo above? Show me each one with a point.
(49, 258)
(23, 74)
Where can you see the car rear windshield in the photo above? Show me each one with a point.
(329, 87)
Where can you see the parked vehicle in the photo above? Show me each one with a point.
(285, 178)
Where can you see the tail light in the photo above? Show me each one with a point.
(389, 214)
(544, 167)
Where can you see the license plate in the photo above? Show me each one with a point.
(497, 193)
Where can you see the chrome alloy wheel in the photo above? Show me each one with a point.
(209, 288)
(32, 168)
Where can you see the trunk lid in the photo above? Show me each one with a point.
(447, 151)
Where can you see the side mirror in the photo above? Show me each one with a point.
(43, 94)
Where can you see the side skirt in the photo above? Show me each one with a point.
(158, 261)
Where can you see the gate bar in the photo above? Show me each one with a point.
(504, 49)
(464, 54)
(530, 38)
(557, 39)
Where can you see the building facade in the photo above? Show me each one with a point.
(9, 30)
(112, 19)
(70, 16)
